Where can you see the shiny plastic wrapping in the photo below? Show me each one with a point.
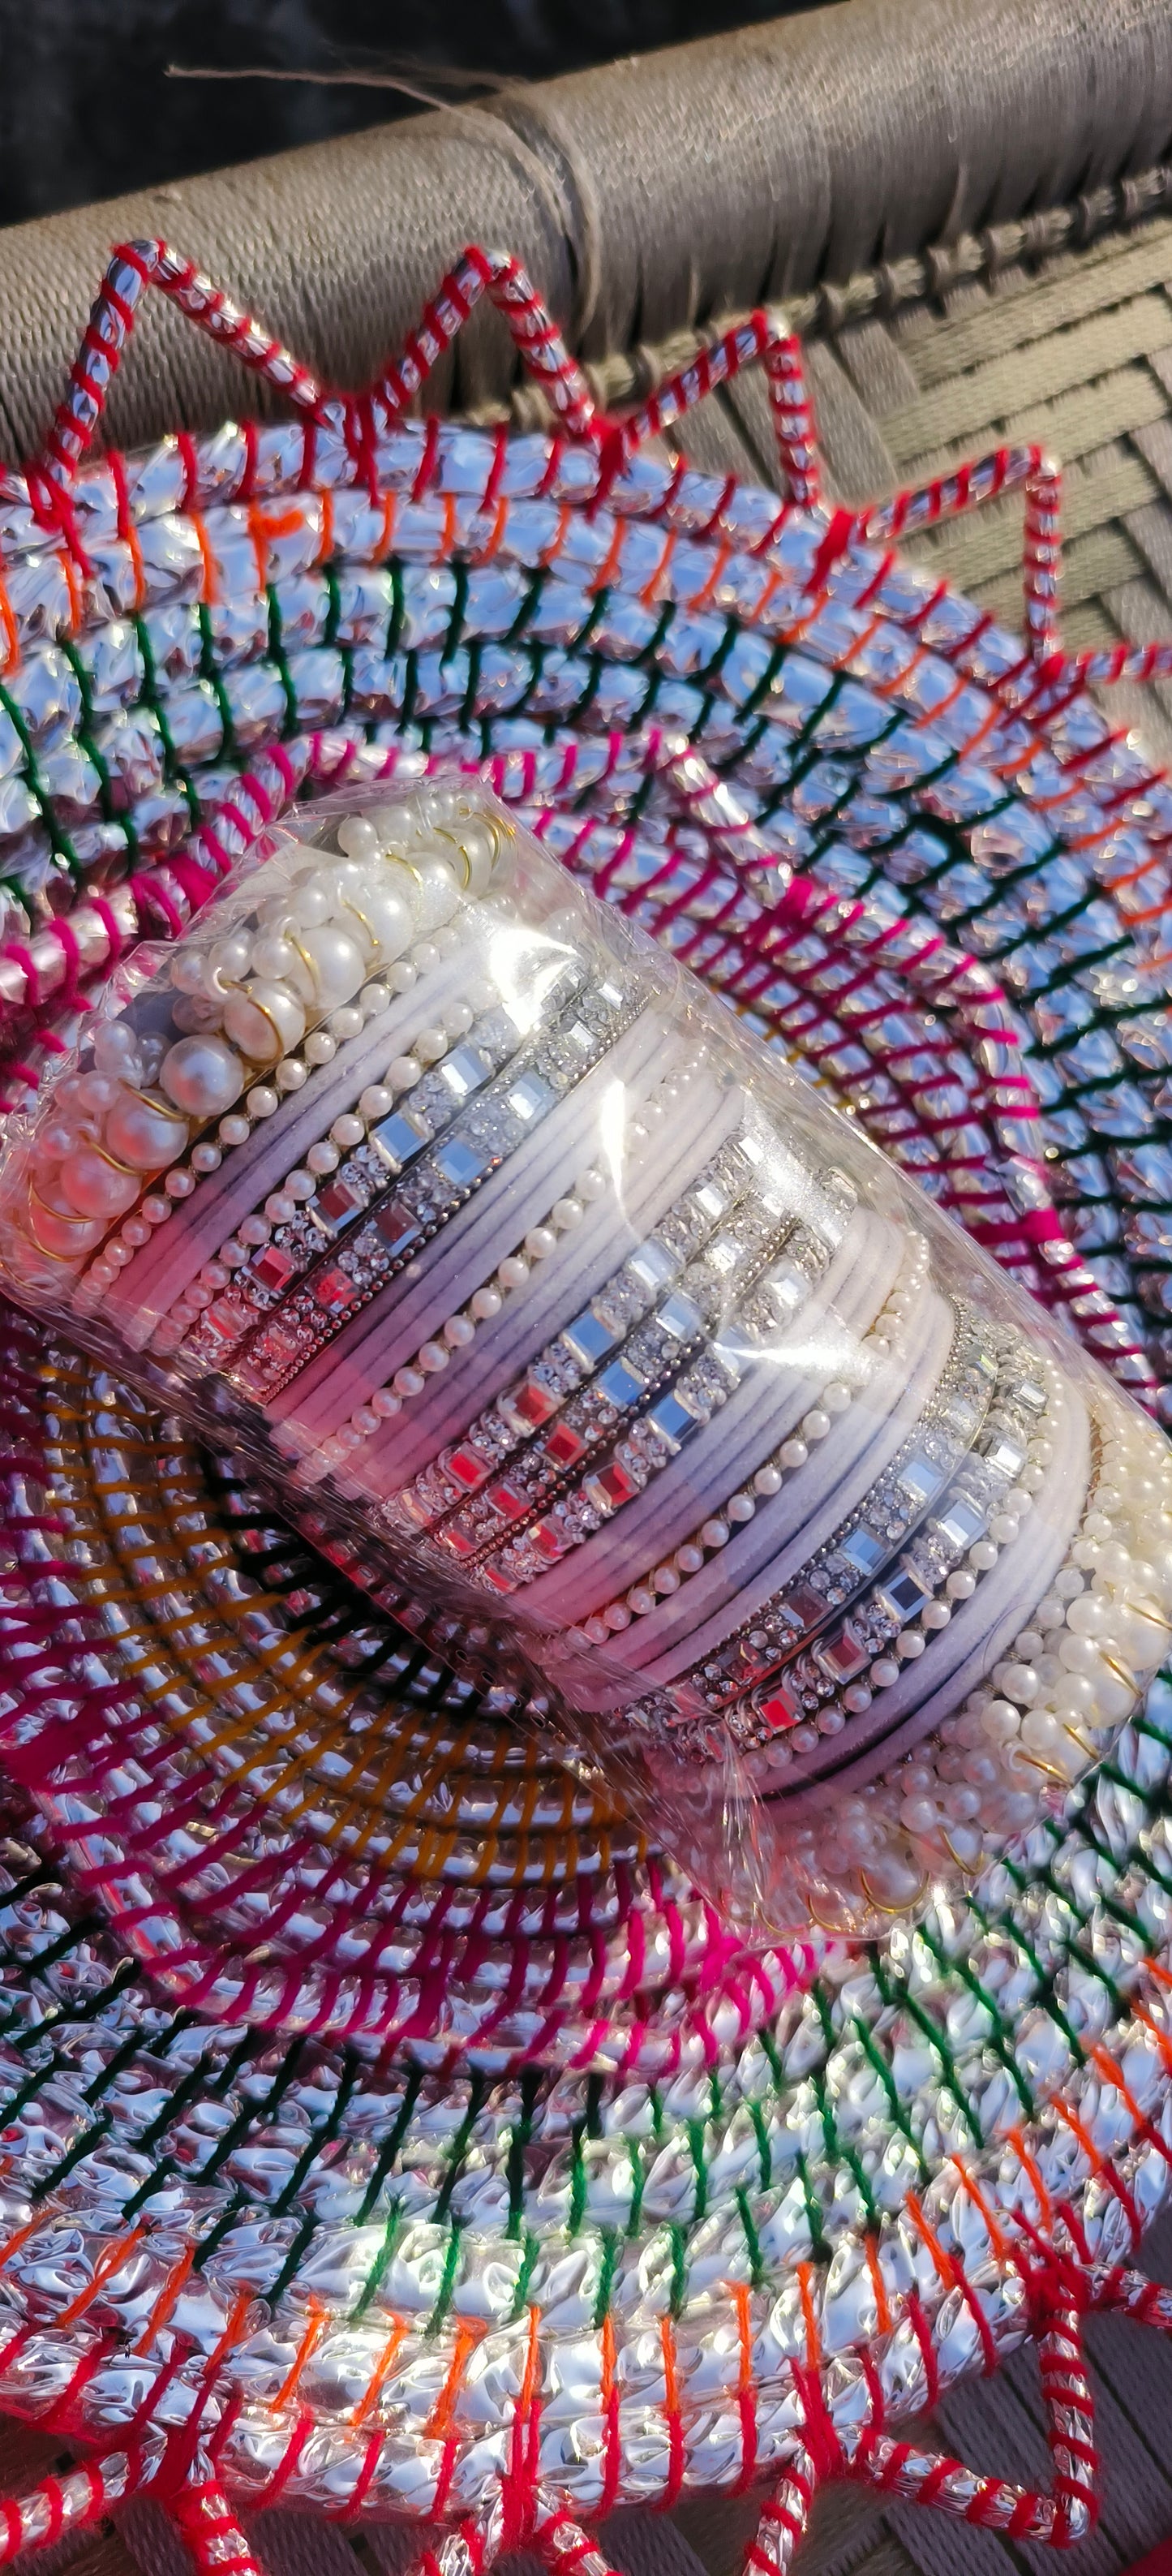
(605, 1352)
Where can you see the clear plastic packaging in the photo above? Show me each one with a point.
(605, 1351)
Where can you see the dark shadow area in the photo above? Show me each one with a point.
(88, 107)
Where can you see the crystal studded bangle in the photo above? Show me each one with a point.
(664, 1579)
(822, 1686)
(344, 1173)
(648, 1419)
(633, 1336)
(865, 1542)
(590, 1188)
(409, 1187)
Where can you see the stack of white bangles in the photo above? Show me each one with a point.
(479, 1215)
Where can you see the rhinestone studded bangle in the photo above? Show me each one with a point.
(347, 1172)
(657, 1417)
(633, 1338)
(865, 1542)
(826, 1683)
(663, 1580)
(406, 1188)
(453, 1340)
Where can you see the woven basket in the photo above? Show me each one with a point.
(546, 2198)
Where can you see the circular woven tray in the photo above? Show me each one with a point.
(387, 2130)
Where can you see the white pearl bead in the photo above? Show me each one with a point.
(290, 1074)
(145, 1137)
(540, 1242)
(590, 1184)
(566, 1213)
(432, 1357)
(375, 999)
(346, 1023)
(429, 1045)
(323, 1158)
(409, 1381)
(426, 956)
(67, 1237)
(157, 1210)
(264, 1021)
(815, 1425)
(884, 1672)
(618, 1617)
(715, 1533)
(403, 1071)
(513, 1271)
(280, 1209)
(983, 1555)
(836, 1397)
(689, 1557)
(348, 1130)
(320, 1048)
(358, 838)
(459, 1330)
(262, 1101)
(640, 1600)
(768, 1480)
(135, 1232)
(275, 958)
(386, 1403)
(204, 1159)
(740, 1508)
(300, 1185)
(116, 1051)
(478, 845)
(793, 1453)
(94, 1188)
(376, 1102)
(311, 899)
(457, 1019)
(96, 1093)
(336, 961)
(254, 1230)
(202, 1075)
(485, 1303)
(390, 914)
(857, 1698)
(936, 1614)
(402, 975)
(229, 958)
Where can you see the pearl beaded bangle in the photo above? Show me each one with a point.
(824, 1684)
(452, 1340)
(182, 1056)
(298, 1079)
(431, 1182)
(661, 1582)
(631, 1338)
(345, 1172)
